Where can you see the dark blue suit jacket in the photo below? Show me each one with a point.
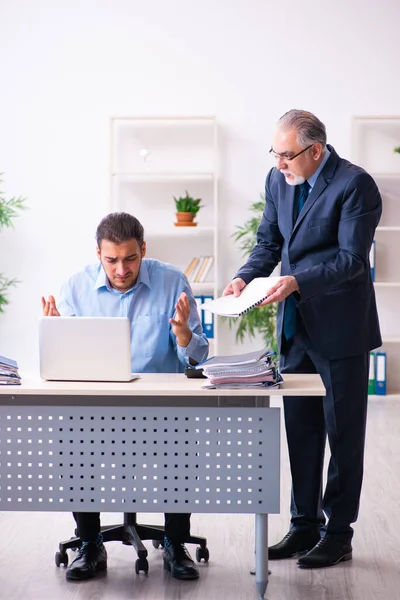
(327, 251)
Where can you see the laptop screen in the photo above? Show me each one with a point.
(85, 348)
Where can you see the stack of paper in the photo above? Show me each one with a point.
(253, 369)
(9, 372)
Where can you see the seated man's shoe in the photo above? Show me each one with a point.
(328, 552)
(294, 542)
(91, 558)
(178, 560)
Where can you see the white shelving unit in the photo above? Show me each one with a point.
(154, 159)
(374, 139)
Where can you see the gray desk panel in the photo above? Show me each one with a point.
(133, 400)
(139, 458)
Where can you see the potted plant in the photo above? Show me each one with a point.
(397, 149)
(263, 319)
(8, 210)
(186, 210)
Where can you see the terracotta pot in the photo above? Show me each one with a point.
(185, 219)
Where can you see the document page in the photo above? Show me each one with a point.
(254, 293)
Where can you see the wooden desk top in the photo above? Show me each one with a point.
(159, 384)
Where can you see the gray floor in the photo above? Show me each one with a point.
(28, 542)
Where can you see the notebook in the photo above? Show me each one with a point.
(85, 349)
(254, 293)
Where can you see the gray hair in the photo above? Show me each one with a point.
(309, 128)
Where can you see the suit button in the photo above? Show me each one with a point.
(293, 267)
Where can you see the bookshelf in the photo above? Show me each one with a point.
(153, 159)
(374, 138)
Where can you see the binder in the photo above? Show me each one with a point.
(193, 275)
(207, 268)
(202, 268)
(191, 267)
(380, 385)
(372, 256)
(208, 318)
(199, 302)
(371, 377)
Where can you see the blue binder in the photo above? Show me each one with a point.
(372, 256)
(208, 319)
(371, 377)
(380, 374)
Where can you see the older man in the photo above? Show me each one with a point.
(320, 217)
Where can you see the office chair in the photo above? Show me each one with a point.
(132, 533)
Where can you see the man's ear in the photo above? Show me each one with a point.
(316, 150)
(143, 249)
(98, 251)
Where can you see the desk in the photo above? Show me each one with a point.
(157, 444)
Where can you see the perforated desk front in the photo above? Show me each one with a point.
(157, 444)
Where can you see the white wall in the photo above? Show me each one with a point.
(68, 66)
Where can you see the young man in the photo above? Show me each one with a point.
(166, 335)
(320, 217)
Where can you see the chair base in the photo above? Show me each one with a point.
(132, 533)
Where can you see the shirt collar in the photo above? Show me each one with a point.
(102, 279)
(311, 180)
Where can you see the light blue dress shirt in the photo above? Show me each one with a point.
(149, 304)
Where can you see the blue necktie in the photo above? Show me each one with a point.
(290, 314)
(300, 197)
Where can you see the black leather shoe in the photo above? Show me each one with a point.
(178, 560)
(293, 543)
(91, 558)
(328, 552)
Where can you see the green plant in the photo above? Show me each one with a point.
(397, 149)
(9, 209)
(187, 204)
(263, 319)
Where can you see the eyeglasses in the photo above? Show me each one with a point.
(287, 157)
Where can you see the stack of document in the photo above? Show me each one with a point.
(9, 372)
(253, 369)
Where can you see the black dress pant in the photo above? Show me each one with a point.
(340, 416)
(177, 526)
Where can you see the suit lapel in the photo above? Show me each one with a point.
(289, 207)
(322, 181)
(313, 196)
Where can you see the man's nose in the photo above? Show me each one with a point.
(121, 268)
(281, 163)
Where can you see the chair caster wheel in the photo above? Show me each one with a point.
(156, 543)
(141, 564)
(61, 558)
(202, 553)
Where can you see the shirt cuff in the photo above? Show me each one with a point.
(187, 351)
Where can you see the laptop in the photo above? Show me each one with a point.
(85, 349)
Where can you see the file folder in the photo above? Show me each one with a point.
(372, 256)
(380, 386)
(199, 302)
(208, 318)
(371, 377)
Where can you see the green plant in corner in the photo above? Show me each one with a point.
(187, 204)
(397, 149)
(263, 319)
(9, 209)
